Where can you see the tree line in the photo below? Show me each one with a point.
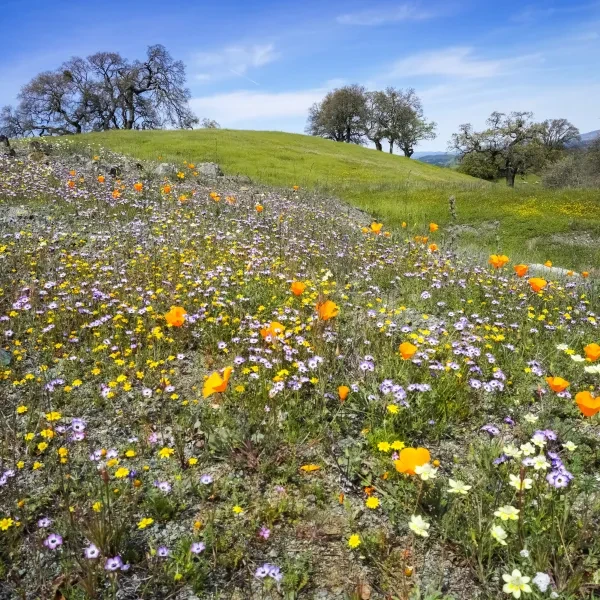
(354, 115)
(511, 144)
(100, 92)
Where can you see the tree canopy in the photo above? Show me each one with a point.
(512, 144)
(352, 114)
(100, 92)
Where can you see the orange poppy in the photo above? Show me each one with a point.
(557, 384)
(273, 330)
(116, 194)
(588, 405)
(343, 392)
(327, 310)
(521, 270)
(433, 247)
(433, 227)
(585, 274)
(407, 350)
(410, 459)
(71, 183)
(72, 173)
(176, 316)
(166, 189)
(403, 224)
(216, 382)
(296, 188)
(548, 263)
(537, 284)
(138, 187)
(101, 179)
(297, 288)
(498, 260)
(376, 227)
(259, 208)
(592, 351)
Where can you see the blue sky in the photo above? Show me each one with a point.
(259, 64)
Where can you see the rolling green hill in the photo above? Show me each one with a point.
(529, 223)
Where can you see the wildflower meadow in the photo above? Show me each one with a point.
(235, 391)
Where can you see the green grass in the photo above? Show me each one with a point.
(530, 223)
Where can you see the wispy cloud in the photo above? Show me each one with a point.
(386, 14)
(236, 60)
(244, 106)
(459, 62)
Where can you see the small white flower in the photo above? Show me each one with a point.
(515, 583)
(426, 471)
(592, 369)
(418, 525)
(562, 347)
(516, 482)
(524, 553)
(542, 581)
(540, 463)
(512, 451)
(458, 487)
(507, 513)
(539, 439)
(570, 446)
(528, 449)
(530, 418)
(577, 358)
(499, 534)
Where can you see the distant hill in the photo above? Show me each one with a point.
(589, 137)
(439, 159)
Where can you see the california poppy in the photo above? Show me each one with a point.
(433, 247)
(273, 330)
(297, 288)
(410, 459)
(537, 284)
(166, 189)
(116, 194)
(259, 208)
(592, 351)
(101, 178)
(557, 384)
(343, 392)
(216, 382)
(548, 263)
(521, 270)
(407, 350)
(71, 183)
(296, 188)
(138, 187)
(588, 405)
(585, 274)
(176, 316)
(327, 310)
(433, 227)
(376, 227)
(498, 260)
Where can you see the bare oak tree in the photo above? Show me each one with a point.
(103, 91)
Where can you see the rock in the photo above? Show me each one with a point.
(551, 272)
(164, 170)
(115, 171)
(37, 156)
(209, 170)
(237, 179)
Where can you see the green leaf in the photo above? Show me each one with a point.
(5, 358)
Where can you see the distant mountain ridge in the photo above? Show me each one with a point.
(589, 137)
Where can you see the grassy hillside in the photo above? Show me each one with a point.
(530, 223)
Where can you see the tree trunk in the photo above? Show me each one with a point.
(348, 135)
(510, 177)
(408, 151)
(391, 146)
(378, 145)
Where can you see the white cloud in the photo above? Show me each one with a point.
(457, 62)
(237, 60)
(385, 14)
(244, 106)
